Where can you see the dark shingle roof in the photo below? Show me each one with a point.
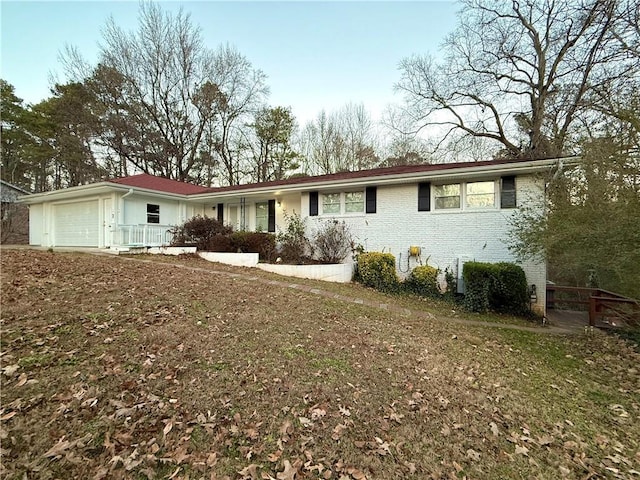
(173, 186)
(372, 173)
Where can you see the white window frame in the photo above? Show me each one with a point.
(153, 214)
(347, 203)
(468, 206)
(463, 196)
(341, 203)
(436, 197)
(259, 227)
(333, 204)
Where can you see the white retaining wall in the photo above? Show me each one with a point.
(341, 273)
(235, 259)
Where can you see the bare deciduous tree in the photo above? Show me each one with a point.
(345, 140)
(169, 105)
(521, 73)
(244, 91)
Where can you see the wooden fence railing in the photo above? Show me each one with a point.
(605, 308)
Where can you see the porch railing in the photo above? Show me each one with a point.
(605, 308)
(144, 235)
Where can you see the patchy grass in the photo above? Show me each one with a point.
(114, 368)
(441, 307)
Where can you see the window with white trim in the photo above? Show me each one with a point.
(354, 202)
(153, 213)
(331, 203)
(262, 216)
(446, 196)
(480, 195)
(343, 203)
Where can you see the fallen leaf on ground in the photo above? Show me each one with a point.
(289, 472)
(473, 455)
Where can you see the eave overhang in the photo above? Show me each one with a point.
(470, 172)
(94, 189)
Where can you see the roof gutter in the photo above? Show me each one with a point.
(532, 166)
(97, 188)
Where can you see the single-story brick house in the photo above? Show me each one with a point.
(454, 212)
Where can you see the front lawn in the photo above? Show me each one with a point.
(116, 368)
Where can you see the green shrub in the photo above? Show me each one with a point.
(221, 243)
(511, 291)
(423, 280)
(378, 270)
(198, 231)
(451, 283)
(501, 287)
(264, 244)
(477, 280)
(294, 246)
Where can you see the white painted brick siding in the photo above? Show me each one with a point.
(444, 235)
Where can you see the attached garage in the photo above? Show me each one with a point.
(76, 224)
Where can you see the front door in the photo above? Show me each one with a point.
(234, 217)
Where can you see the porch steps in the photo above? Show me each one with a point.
(128, 249)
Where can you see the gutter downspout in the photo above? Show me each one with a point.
(121, 210)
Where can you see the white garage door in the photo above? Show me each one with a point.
(76, 224)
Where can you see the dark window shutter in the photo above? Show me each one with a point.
(371, 199)
(220, 209)
(271, 226)
(313, 204)
(508, 192)
(424, 197)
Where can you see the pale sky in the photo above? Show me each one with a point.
(316, 54)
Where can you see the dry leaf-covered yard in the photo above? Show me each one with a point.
(116, 368)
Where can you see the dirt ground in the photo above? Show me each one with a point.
(116, 368)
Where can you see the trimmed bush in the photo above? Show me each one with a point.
(477, 280)
(261, 243)
(511, 292)
(198, 231)
(501, 287)
(221, 243)
(332, 242)
(378, 270)
(423, 280)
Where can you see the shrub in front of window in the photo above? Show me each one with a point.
(221, 243)
(378, 270)
(199, 231)
(501, 287)
(294, 246)
(332, 242)
(423, 281)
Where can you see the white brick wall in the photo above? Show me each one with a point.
(444, 236)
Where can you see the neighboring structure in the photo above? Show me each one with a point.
(453, 212)
(15, 216)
